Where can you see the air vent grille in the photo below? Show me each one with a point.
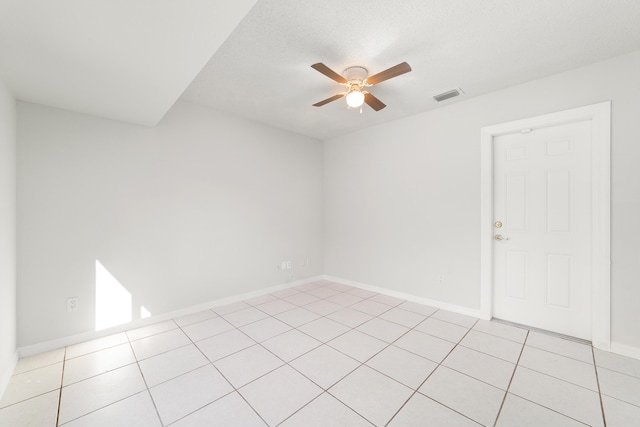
(447, 95)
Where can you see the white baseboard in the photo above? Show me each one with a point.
(30, 350)
(409, 297)
(621, 349)
(617, 348)
(625, 350)
(7, 373)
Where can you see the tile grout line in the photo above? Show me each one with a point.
(543, 332)
(634, 377)
(105, 406)
(321, 315)
(272, 316)
(64, 362)
(317, 397)
(301, 373)
(237, 328)
(235, 390)
(515, 368)
(323, 343)
(105, 372)
(595, 368)
(562, 414)
(326, 390)
(397, 306)
(560, 354)
(104, 348)
(256, 343)
(498, 336)
(18, 402)
(431, 373)
(389, 344)
(144, 379)
(559, 379)
(191, 342)
(287, 363)
(123, 398)
(487, 354)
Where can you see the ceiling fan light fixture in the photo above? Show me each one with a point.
(355, 98)
(355, 79)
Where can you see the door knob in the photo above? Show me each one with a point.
(499, 237)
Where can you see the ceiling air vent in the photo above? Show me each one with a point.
(449, 94)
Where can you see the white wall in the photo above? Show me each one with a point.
(201, 207)
(402, 200)
(7, 234)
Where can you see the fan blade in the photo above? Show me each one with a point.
(373, 102)
(328, 100)
(328, 72)
(389, 73)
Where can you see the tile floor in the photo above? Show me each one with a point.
(325, 354)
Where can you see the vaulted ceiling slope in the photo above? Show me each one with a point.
(125, 60)
(263, 69)
(131, 60)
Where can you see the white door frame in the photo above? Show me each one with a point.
(600, 117)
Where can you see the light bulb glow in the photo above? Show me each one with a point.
(355, 99)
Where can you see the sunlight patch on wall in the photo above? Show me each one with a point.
(113, 301)
(144, 313)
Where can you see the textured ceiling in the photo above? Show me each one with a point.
(263, 71)
(131, 60)
(125, 60)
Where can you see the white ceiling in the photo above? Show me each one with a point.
(121, 59)
(130, 60)
(263, 69)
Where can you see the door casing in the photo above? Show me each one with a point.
(600, 117)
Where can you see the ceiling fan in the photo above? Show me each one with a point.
(356, 79)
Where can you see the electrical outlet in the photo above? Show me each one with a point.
(72, 304)
(288, 265)
(441, 279)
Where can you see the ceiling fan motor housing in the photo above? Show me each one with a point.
(355, 79)
(355, 74)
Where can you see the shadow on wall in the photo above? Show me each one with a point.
(114, 303)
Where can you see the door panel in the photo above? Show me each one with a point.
(559, 280)
(558, 196)
(516, 205)
(542, 196)
(516, 274)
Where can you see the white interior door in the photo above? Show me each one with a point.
(542, 212)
